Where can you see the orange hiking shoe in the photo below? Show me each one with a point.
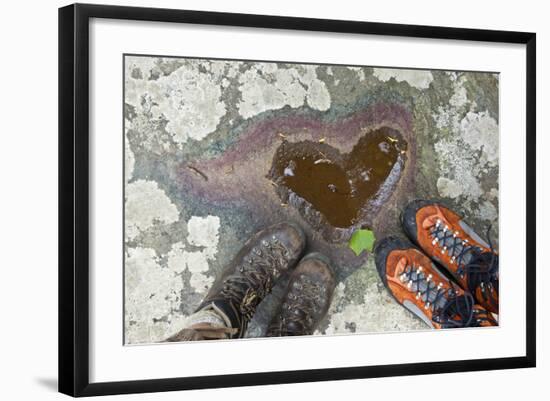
(446, 238)
(416, 283)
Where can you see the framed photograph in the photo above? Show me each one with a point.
(250, 199)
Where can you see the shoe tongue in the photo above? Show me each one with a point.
(402, 264)
(455, 246)
(430, 221)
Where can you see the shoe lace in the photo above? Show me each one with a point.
(461, 311)
(298, 310)
(432, 294)
(255, 277)
(481, 268)
(449, 309)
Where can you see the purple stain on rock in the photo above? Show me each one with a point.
(245, 176)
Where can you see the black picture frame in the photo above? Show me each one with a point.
(74, 194)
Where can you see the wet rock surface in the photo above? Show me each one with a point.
(202, 175)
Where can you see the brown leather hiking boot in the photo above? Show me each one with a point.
(306, 300)
(446, 238)
(251, 275)
(417, 284)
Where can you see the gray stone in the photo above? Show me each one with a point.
(185, 220)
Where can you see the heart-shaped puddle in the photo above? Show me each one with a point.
(339, 190)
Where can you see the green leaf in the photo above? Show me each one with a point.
(362, 240)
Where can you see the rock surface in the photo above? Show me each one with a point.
(200, 137)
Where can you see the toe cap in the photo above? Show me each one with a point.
(408, 217)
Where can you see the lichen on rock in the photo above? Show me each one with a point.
(204, 231)
(152, 297)
(188, 99)
(466, 147)
(265, 86)
(419, 79)
(226, 119)
(146, 204)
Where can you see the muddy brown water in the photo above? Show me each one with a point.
(337, 185)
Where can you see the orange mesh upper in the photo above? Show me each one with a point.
(396, 263)
(426, 217)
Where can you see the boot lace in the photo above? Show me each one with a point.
(480, 268)
(450, 309)
(255, 277)
(298, 311)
